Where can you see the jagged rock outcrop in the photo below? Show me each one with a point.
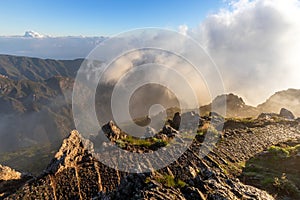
(267, 116)
(112, 132)
(175, 123)
(6, 173)
(11, 180)
(75, 174)
(230, 105)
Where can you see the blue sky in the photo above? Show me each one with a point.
(100, 17)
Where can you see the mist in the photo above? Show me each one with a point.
(255, 45)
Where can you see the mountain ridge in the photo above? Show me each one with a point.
(75, 173)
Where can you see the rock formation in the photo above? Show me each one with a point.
(286, 114)
(75, 174)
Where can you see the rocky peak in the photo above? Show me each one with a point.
(71, 151)
(231, 100)
(6, 173)
(289, 99)
(233, 105)
(112, 131)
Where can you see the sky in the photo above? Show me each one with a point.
(254, 43)
(99, 17)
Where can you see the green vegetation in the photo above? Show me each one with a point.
(147, 143)
(276, 171)
(284, 152)
(242, 120)
(170, 181)
(33, 159)
(284, 186)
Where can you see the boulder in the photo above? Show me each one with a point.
(285, 113)
(112, 131)
(176, 121)
(169, 131)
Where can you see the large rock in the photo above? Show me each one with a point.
(175, 123)
(285, 113)
(112, 131)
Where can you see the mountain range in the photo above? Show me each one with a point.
(35, 108)
(44, 46)
(36, 117)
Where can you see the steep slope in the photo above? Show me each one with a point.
(289, 99)
(35, 69)
(35, 116)
(75, 174)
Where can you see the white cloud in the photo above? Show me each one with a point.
(34, 44)
(256, 45)
(183, 29)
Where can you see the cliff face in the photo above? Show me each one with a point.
(75, 174)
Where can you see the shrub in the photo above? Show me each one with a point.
(279, 152)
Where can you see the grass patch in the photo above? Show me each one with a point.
(150, 143)
(33, 159)
(170, 181)
(276, 171)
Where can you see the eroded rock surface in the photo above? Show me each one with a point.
(74, 173)
(11, 180)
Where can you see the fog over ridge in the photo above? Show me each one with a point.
(255, 45)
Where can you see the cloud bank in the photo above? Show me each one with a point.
(34, 44)
(256, 46)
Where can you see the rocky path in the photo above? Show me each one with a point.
(76, 174)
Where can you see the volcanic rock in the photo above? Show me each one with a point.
(286, 114)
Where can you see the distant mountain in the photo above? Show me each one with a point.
(34, 44)
(33, 34)
(35, 69)
(34, 113)
(235, 106)
(289, 99)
